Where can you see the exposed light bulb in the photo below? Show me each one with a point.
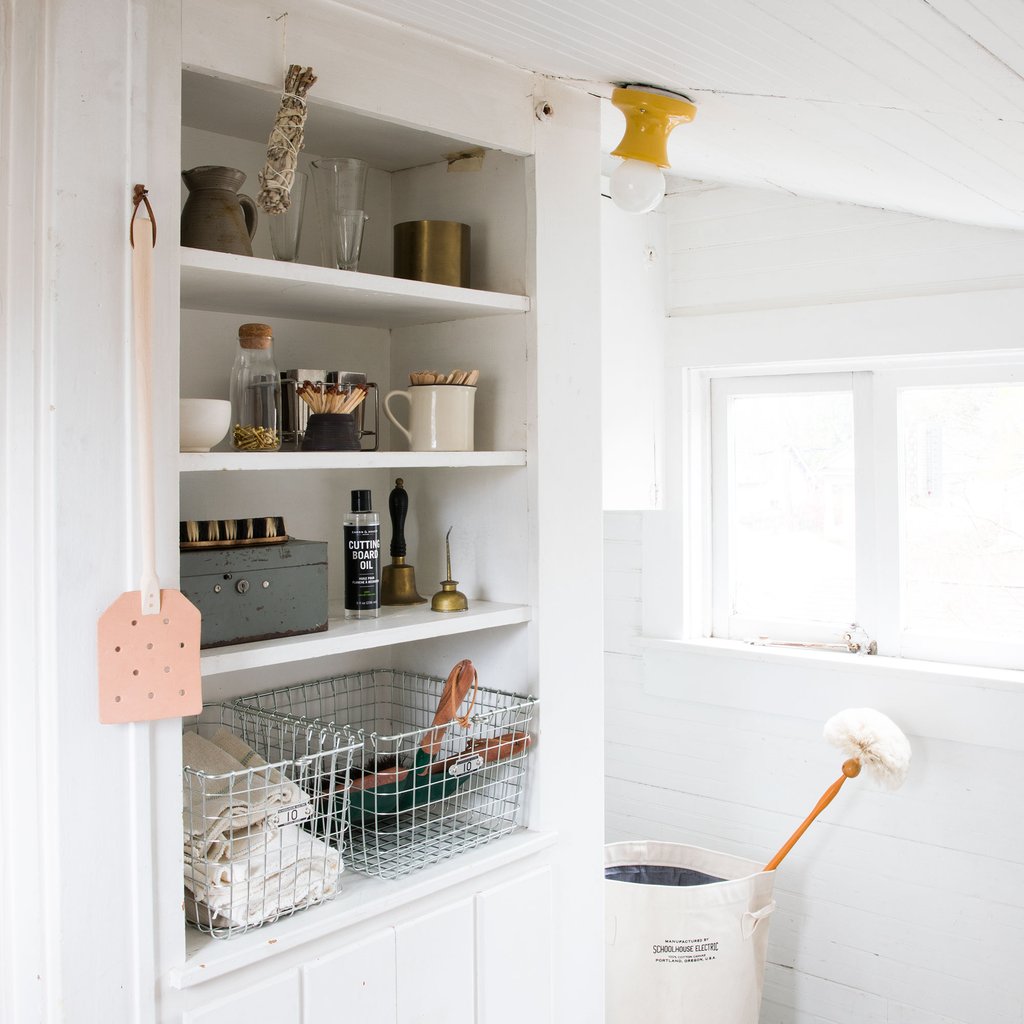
(637, 186)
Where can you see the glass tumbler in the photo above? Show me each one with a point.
(347, 236)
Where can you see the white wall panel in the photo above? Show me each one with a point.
(568, 543)
(634, 273)
(267, 1002)
(435, 967)
(514, 952)
(356, 982)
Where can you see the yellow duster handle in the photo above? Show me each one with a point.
(851, 769)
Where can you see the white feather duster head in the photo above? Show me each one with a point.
(874, 740)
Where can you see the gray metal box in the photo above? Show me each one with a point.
(257, 593)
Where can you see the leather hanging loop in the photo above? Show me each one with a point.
(140, 194)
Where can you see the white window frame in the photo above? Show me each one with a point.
(674, 660)
(875, 388)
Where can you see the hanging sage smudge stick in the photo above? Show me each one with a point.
(285, 143)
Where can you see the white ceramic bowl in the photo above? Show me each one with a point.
(202, 423)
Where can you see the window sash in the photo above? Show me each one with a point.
(894, 635)
(724, 622)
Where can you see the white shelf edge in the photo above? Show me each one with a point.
(227, 283)
(396, 625)
(200, 462)
(361, 897)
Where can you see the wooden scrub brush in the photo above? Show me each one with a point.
(871, 741)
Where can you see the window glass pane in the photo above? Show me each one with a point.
(962, 487)
(791, 534)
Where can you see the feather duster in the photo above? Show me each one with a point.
(874, 740)
(870, 740)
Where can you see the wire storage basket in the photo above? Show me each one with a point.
(408, 809)
(254, 814)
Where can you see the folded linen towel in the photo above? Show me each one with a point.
(199, 913)
(278, 851)
(225, 810)
(224, 752)
(248, 758)
(310, 877)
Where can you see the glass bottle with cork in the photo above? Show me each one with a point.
(256, 392)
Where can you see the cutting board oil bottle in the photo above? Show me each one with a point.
(362, 559)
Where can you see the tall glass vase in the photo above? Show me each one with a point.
(340, 187)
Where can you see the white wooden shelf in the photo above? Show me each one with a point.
(199, 462)
(396, 625)
(361, 898)
(225, 283)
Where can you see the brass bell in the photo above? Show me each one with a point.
(398, 584)
(398, 580)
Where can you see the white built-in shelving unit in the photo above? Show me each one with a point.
(386, 327)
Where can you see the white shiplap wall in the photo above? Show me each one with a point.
(895, 908)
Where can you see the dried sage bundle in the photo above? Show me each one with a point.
(285, 143)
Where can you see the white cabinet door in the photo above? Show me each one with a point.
(435, 967)
(357, 983)
(513, 951)
(269, 1002)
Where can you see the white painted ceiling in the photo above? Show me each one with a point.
(914, 105)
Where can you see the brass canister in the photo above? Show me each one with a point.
(433, 250)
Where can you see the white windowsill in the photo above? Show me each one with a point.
(968, 675)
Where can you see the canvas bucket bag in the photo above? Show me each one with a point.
(687, 934)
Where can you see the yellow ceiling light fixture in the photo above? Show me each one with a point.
(637, 184)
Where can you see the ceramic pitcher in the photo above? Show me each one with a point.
(216, 216)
